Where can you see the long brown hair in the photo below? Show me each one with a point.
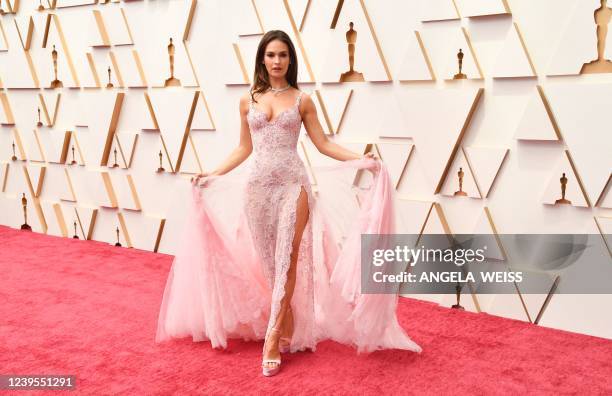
(261, 80)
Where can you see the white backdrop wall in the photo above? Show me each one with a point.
(523, 116)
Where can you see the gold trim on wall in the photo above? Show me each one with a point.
(464, 128)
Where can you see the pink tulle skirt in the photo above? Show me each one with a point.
(216, 289)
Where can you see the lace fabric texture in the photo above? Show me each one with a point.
(276, 176)
(228, 278)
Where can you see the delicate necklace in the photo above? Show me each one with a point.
(278, 91)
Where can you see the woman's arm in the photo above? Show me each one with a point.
(244, 149)
(318, 137)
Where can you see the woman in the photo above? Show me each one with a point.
(279, 275)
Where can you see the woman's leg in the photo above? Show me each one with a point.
(301, 219)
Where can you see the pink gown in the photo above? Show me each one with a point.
(228, 278)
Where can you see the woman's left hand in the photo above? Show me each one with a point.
(375, 167)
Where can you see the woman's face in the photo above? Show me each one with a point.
(276, 58)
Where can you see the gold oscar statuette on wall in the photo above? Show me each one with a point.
(2, 12)
(172, 81)
(460, 75)
(461, 193)
(39, 123)
(161, 168)
(602, 17)
(351, 75)
(115, 165)
(55, 83)
(562, 200)
(24, 202)
(73, 162)
(117, 243)
(75, 236)
(40, 6)
(14, 157)
(110, 84)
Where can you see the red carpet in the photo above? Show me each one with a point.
(90, 309)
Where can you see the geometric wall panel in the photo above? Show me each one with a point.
(473, 8)
(468, 183)
(241, 65)
(125, 191)
(71, 3)
(246, 19)
(86, 221)
(538, 122)
(116, 26)
(127, 60)
(415, 184)
(331, 104)
(582, 112)
(6, 114)
(604, 225)
(437, 143)
(485, 162)
(150, 230)
(202, 119)
(4, 169)
(49, 106)
(369, 59)
(3, 41)
(513, 59)
(416, 65)
(573, 192)
(299, 8)
(35, 149)
(438, 10)
(174, 111)
(578, 42)
(125, 143)
(35, 177)
(605, 201)
(396, 155)
(54, 37)
(170, 21)
(67, 192)
(443, 43)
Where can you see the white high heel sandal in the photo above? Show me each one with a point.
(265, 365)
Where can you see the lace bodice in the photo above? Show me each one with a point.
(275, 156)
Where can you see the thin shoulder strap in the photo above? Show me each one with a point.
(297, 100)
(250, 100)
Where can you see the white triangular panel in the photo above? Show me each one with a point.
(395, 156)
(535, 123)
(485, 163)
(512, 60)
(472, 8)
(202, 120)
(437, 10)
(451, 184)
(578, 41)
(582, 112)
(573, 192)
(367, 59)
(414, 65)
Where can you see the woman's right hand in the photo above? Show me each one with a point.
(201, 177)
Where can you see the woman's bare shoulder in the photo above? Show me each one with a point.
(245, 99)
